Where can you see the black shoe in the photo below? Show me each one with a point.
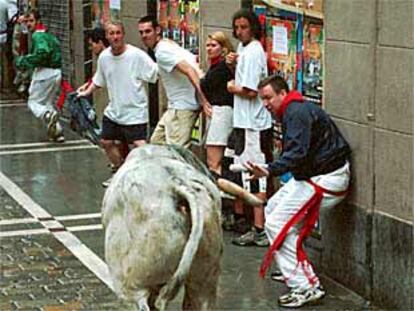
(277, 276)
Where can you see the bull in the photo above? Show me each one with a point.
(162, 219)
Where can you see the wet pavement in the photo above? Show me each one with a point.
(51, 237)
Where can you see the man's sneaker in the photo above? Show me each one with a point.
(51, 118)
(241, 225)
(277, 276)
(297, 298)
(106, 183)
(22, 88)
(59, 139)
(252, 237)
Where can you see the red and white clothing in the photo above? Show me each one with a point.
(317, 155)
(287, 203)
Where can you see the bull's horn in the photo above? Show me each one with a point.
(240, 193)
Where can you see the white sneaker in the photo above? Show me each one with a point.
(107, 182)
(59, 139)
(298, 298)
(51, 118)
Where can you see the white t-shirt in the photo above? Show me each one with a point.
(251, 68)
(123, 76)
(181, 93)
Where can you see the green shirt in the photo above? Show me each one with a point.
(45, 52)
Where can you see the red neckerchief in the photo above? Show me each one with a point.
(215, 60)
(292, 96)
(40, 27)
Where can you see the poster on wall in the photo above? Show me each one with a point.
(312, 60)
(281, 48)
(105, 11)
(163, 17)
(115, 4)
(191, 26)
(174, 21)
(261, 11)
(179, 21)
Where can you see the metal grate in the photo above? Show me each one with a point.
(55, 14)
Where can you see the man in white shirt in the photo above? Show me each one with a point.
(252, 123)
(122, 68)
(178, 71)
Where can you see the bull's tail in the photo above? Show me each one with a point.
(196, 202)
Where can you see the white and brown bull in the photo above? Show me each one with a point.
(161, 215)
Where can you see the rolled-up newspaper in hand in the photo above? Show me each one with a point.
(241, 168)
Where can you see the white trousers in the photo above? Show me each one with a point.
(42, 95)
(284, 205)
(252, 152)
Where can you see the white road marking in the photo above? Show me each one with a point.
(79, 216)
(43, 144)
(86, 256)
(14, 221)
(68, 239)
(22, 198)
(47, 231)
(63, 148)
(85, 228)
(13, 105)
(4, 234)
(17, 221)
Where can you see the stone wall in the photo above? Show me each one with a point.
(368, 242)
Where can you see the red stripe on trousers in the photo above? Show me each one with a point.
(310, 213)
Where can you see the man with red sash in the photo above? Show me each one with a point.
(317, 155)
(46, 61)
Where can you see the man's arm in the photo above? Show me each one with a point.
(91, 88)
(241, 91)
(38, 58)
(297, 144)
(192, 75)
(148, 70)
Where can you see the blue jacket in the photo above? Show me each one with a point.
(312, 144)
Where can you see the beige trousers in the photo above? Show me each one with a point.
(175, 127)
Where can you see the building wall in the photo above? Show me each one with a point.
(368, 242)
(216, 15)
(55, 15)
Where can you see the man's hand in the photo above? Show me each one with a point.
(81, 94)
(207, 109)
(83, 87)
(231, 86)
(256, 170)
(231, 59)
(21, 19)
(88, 90)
